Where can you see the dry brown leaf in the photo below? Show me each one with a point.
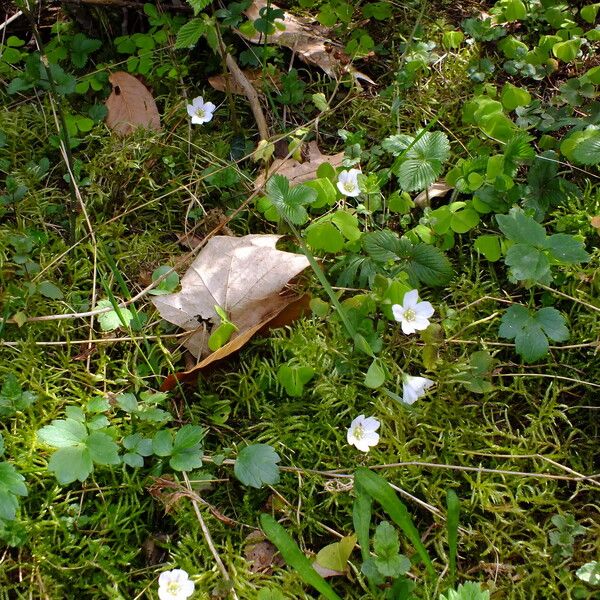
(438, 189)
(298, 172)
(305, 38)
(221, 82)
(244, 276)
(290, 308)
(130, 105)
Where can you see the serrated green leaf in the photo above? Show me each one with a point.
(70, 464)
(81, 48)
(162, 443)
(530, 330)
(290, 203)
(256, 465)
(587, 151)
(190, 33)
(528, 263)
(199, 5)
(566, 249)
(466, 591)
(109, 321)
(103, 449)
(553, 324)
(520, 228)
(63, 434)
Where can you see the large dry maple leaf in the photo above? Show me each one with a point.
(245, 276)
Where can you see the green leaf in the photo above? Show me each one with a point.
(389, 562)
(452, 39)
(453, 512)
(294, 378)
(326, 191)
(127, 402)
(294, 557)
(256, 465)
(489, 246)
(532, 330)
(63, 434)
(290, 202)
(335, 556)
(12, 397)
(361, 518)
(49, 290)
(199, 5)
(587, 151)
(422, 263)
(464, 220)
(566, 249)
(378, 488)
(588, 13)
(466, 591)
(187, 448)
(168, 285)
(190, 33)
(590, 573)
(111, 320)
(81, 48)
(71, 463)
(528, 263)
(520, 228)
(375, 376)
(513, 96)
(567, 51)
(162, 443)
(103, 449)
(12, 485)
(324, 236)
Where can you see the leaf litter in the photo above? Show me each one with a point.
(244, 276)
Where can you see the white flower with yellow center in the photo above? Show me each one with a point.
(200, 111)
(363, 432)
(347, 182)
(175, 585)
(413, 315)
(414, 387)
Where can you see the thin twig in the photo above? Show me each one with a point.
(548, 376)
(9, 20)
(572, 298)
(208, 537)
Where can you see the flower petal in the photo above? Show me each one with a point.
(407, 327)
(410, 299)
(424, 309)
(209, 107)
(371, 424)
(398, 312)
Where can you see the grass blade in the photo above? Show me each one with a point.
(361, 516)
(453, 506)
(378, 488)
(294, 557)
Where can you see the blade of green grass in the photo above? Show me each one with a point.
(453, 506)
(294, 557)
(378, 488)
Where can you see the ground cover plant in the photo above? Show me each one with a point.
(299, 300)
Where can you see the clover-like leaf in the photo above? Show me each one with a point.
(256, 465)
(532, 330)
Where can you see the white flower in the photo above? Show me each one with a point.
(347, 182)
(414, 387)
(200, 111)
(363, 432)
(175, 585)
(412, 314)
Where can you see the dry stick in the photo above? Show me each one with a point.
(208, 537)
(9, 20)
(252, 95)
(572, 298)
(548, 376)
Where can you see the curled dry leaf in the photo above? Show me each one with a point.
(130, 105)
(298, 172)
(306, 39)
(438, 189)
(245, 277)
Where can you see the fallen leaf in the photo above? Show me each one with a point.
(299, 172)
(290, 309)
(245, 277)
(130, 105)
(254, 76)
(438, 189)
(304, 38)
(595, 222)
(332, 560)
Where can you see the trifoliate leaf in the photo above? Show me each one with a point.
(187, 448)
(532, 330)
(293, 378)
(528, 263)
(81, 47)
(111, 320)
(290, 202)
(256, 465)
(520, 228)
(103, 449)
(467, 591)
